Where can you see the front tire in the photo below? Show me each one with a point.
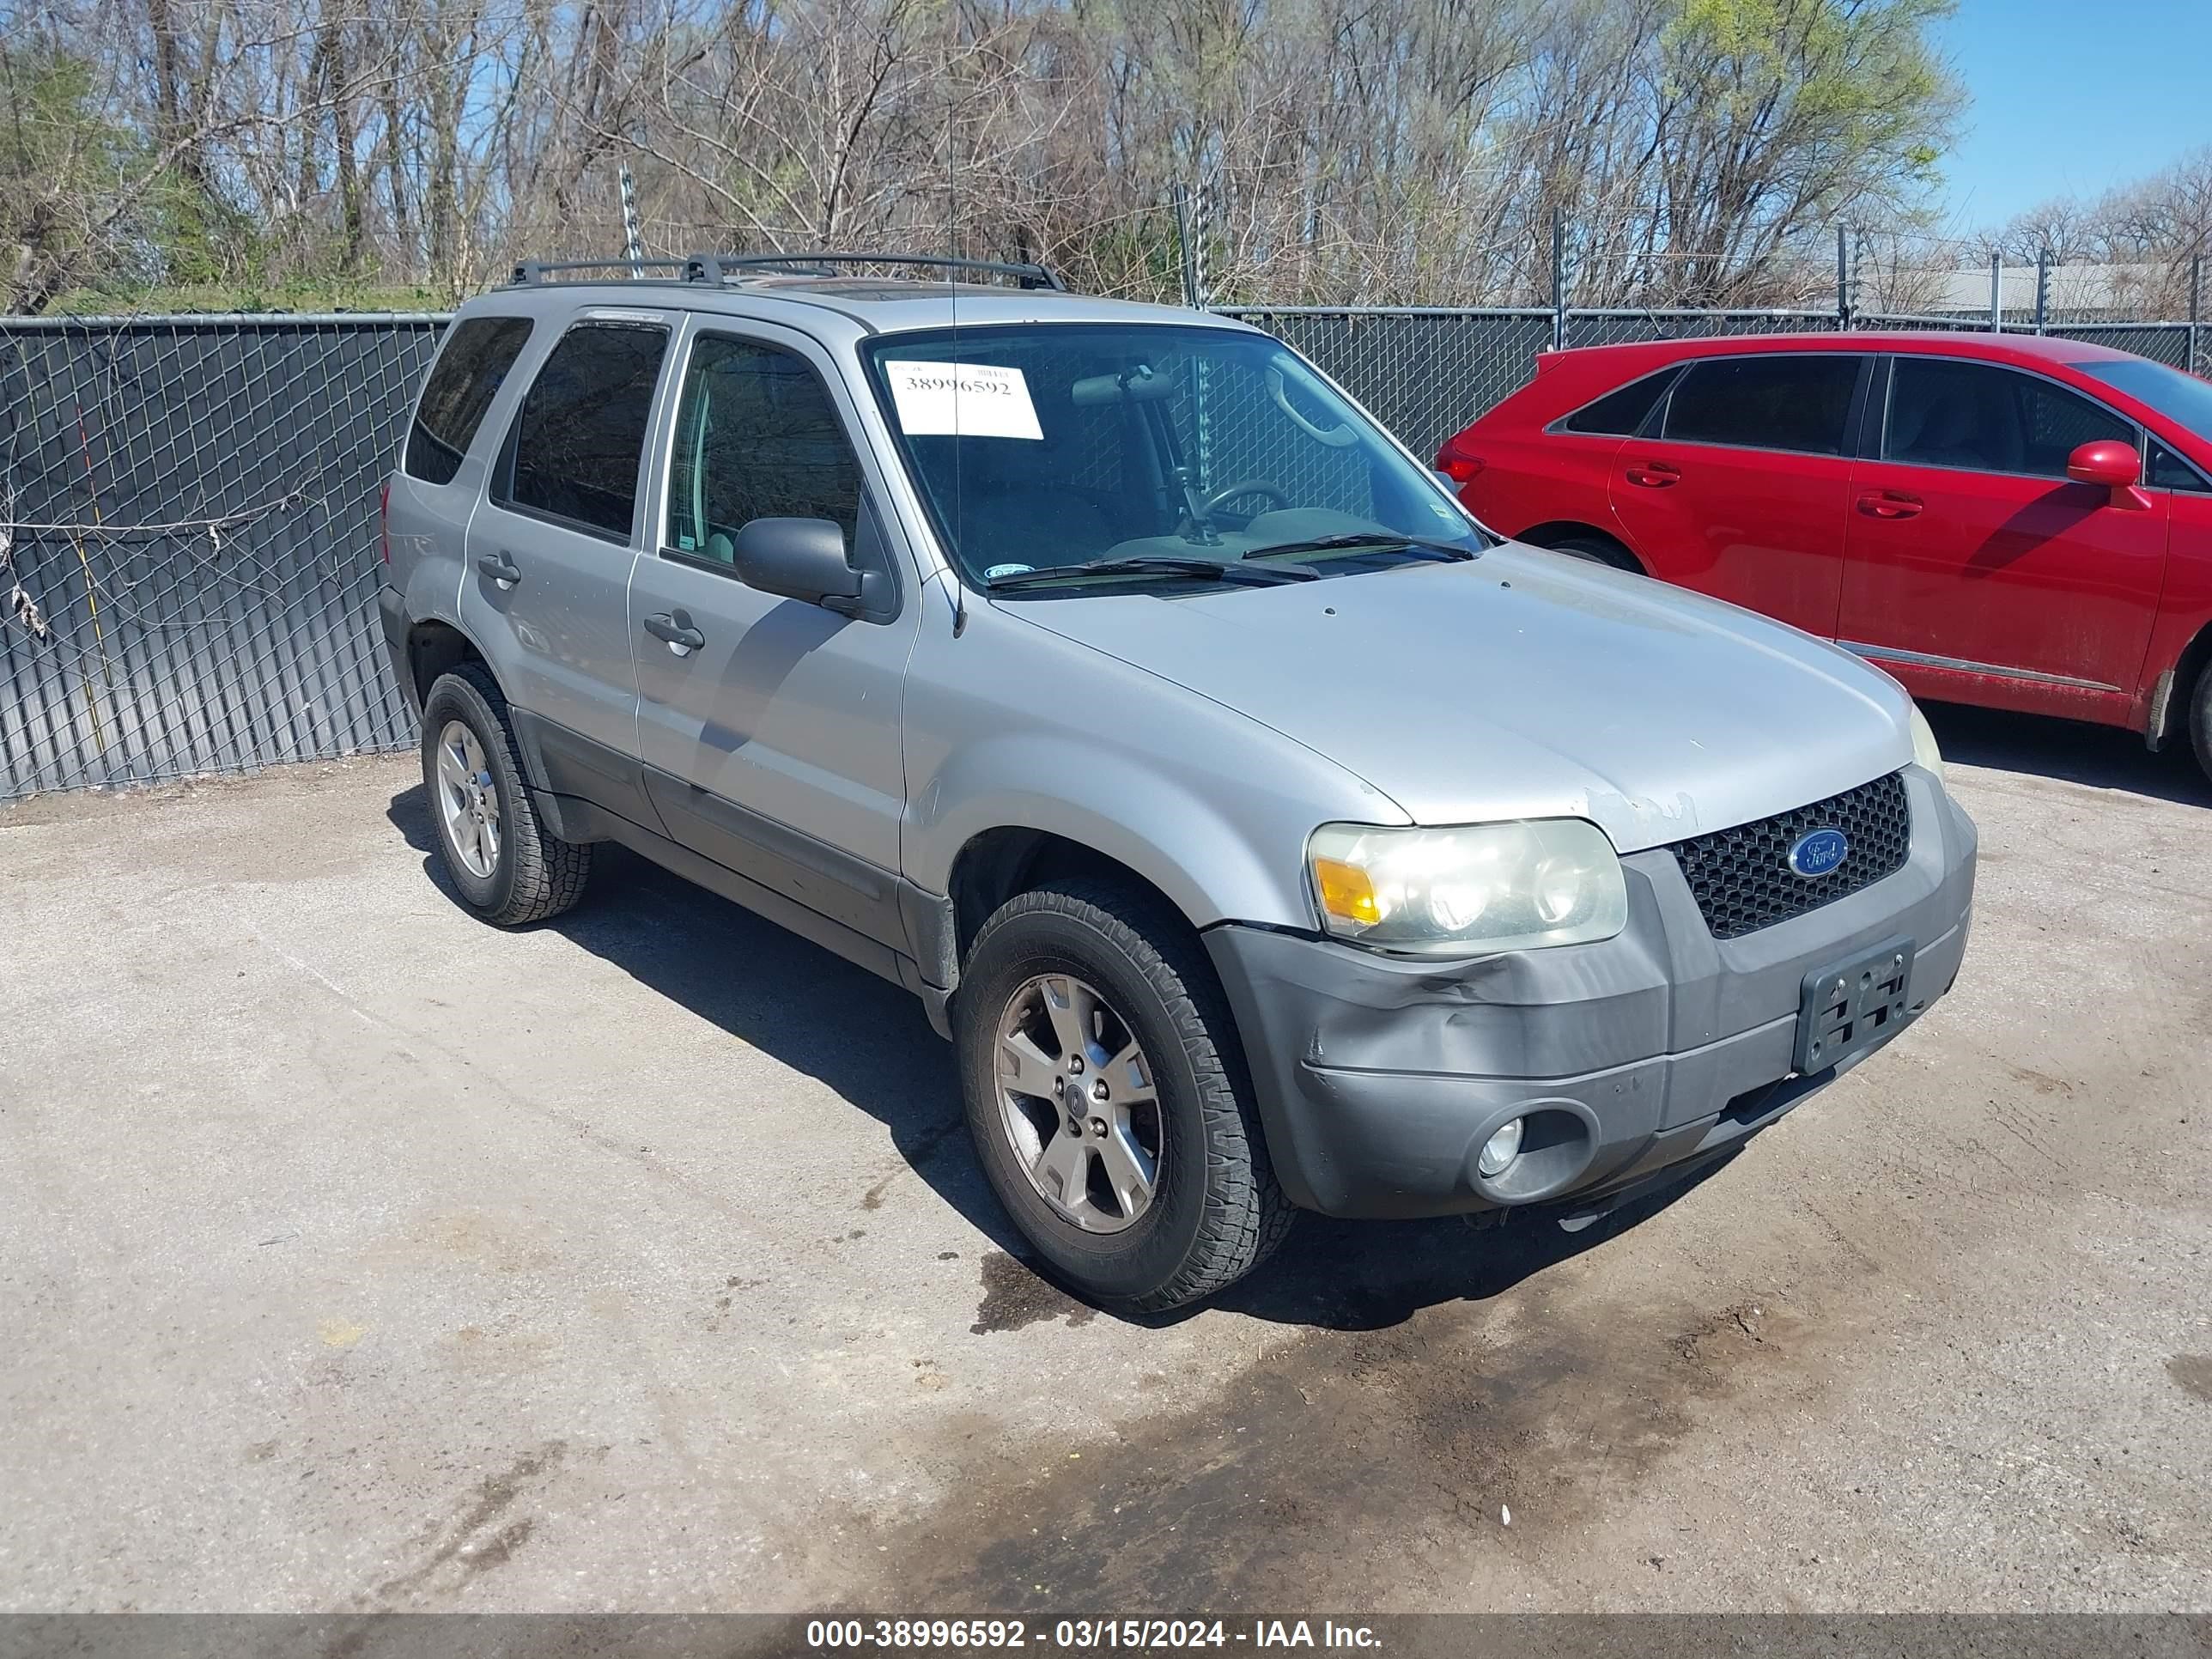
(1108, 1100)
(2200, 719)
(506, 866)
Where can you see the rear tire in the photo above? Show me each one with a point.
(520, 872)
(1112, 962)
(1597, 550)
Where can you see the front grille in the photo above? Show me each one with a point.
(1741, 877)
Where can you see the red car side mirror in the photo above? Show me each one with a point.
(2105, 462)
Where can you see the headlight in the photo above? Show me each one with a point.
(1475, 888)
(1923, 743)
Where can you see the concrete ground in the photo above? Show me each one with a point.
(354, 1256)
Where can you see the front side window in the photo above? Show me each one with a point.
(1987, 418)
(1039, 446)
(756, 437)
(2167, 470)
(472, 366)
(579, 435)
(1799, 403)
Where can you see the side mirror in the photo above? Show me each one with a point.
(2107, 462)
(798, 559)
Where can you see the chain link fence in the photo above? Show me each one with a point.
(190, 510)
(189, 507)
(1426, 372)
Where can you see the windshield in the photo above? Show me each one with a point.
(1163, 449)
(2182, 398)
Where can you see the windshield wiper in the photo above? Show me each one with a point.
(1450, 551)
(1148, 564)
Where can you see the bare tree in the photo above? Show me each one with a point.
(1346, 149)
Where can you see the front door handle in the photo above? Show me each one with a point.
(499, 568)
(673, 628)
(1890, 504)
(1653, 475)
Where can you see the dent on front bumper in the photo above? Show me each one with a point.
(1380, 1078)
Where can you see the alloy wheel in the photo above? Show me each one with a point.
(1078, 1103)
(467, 800)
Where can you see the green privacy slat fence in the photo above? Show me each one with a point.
(189, 506)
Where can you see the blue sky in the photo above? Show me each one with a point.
(2072, 98)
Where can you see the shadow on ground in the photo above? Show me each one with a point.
(1370, 1275)
(2101, 756)
(869, 1041)
(810, 1010)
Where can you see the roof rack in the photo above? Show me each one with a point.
(530, 272)
(720, 269)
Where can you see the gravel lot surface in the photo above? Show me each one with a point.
(355, 1256)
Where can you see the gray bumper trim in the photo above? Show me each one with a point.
(1378, 1077)
(392, 612)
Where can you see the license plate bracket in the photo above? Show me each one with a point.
(1853, 1006)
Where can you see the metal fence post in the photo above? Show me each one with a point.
(1201, 225)
(1996, 294)
(1843, 279)
(2196, 308)
(1181, 197)
(2042, 288)
(1559, 279)
(633, 244)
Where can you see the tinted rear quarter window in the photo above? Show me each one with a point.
(468, 374)
(580, 435)
(1621, 412)
(1793, 402)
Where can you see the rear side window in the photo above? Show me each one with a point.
(1621, 413)
(1797, 404)
(468, 375)
(1985, 418)
(756, 437)
(580, 435)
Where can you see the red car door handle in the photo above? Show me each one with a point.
(1653, 475)
(1890, 504)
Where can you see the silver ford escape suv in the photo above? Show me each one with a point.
(1264, 834)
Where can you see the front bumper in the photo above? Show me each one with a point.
(1379, 1077)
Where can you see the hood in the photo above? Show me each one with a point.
(1523, 684)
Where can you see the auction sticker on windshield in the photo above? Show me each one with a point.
(967, 400)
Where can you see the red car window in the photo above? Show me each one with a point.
(1989, 419)
(1619, 413)
(1782, 402)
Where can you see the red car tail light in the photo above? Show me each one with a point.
(1457, 461)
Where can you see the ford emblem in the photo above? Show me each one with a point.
(1817, 852)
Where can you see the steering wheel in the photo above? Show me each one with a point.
(1273, 492)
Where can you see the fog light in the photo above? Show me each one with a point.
(1500, 1150)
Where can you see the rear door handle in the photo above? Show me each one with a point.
(1653, 475)
(674, 629)
(1890, 504)
(499, 568)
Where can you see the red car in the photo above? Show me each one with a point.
(2007, 519)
